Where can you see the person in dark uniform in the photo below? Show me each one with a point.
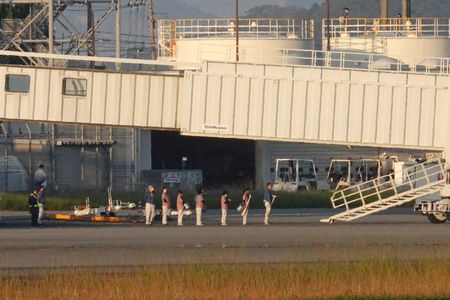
(268, 201)
(33, 205)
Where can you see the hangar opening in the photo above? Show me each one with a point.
(222, 161)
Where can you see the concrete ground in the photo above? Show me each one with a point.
(294, 236)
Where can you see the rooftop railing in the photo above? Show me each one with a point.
(317, 58)
(269, 56)
(390, 27)
(174, 29)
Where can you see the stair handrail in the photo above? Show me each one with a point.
(341, 198)
(378, 193)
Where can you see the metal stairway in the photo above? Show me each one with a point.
(388, 191)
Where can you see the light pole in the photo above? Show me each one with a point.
(152, 24)
(237, 30)
(328, 26)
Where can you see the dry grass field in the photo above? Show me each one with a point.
(374, 279)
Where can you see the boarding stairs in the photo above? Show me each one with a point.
(395, 189)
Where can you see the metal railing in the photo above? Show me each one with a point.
(378, 45)
(318, 58)
(391, 187)
(170, 30)
(390, 27)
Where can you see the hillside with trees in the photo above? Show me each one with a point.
(358, 8)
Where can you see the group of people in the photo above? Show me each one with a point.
(182, 206)
(36, 200)
(36, 203)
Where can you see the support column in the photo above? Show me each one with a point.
(262, 164)
(384, 9)
(110, 160)
(406, 9)
(145, 150)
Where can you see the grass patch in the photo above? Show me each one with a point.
(64, 201)
(374, 279)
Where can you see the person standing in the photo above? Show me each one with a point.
(41, 202)
(33, 205)
(224, 200)
(245, 203)
(180, 208)
(165, 203)
(268, 202)
(40, 181)
(149, 199)
(199, 205)
(40, 178)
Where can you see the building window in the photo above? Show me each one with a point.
(74, 87)
(17, 83)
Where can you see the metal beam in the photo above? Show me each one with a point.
(85, 37)
(28, 22)
(98, 59)
(18, 47)
(67, 25)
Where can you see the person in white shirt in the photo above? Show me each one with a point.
(199, 205)
(40, 178)
(180, 208)
(246, 196)
(165, 201)
(224, 200)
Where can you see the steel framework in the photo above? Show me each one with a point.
(48, 28)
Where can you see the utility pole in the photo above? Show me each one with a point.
(237, 30)
(118, 31)
(328, 26)
(152, 24)
(90, 26)
(50, 31)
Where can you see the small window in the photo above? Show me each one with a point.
(74, 87)
(17, 83)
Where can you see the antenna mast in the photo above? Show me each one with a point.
(152, 23)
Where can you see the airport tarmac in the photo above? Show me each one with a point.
(294, 236)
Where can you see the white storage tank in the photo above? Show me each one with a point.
(410, 40)
(260, 40)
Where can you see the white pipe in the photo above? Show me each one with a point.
(97, 59)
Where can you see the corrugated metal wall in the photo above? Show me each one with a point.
(317, 105)
(116, 99)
